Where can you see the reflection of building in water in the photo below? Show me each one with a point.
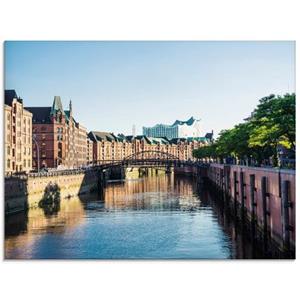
(71, 214)
(151, 192)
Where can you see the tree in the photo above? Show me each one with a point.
(273, 124)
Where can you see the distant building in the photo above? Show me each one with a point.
(89, 150)
(81, 145)
(179, 129)
(108, 146)
(17, 134)
(61, 140)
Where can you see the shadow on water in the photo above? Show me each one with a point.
(245, 240)
(50, 202)
(16, 224)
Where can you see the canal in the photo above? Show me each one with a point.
(156, 217)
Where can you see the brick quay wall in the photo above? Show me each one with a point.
(27, 192)
(265, 196)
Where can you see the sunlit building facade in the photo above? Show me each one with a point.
(108, 146)
(59, 139)
(17, 134)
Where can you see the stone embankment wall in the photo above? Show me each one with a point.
(26, 192)
(266, 196)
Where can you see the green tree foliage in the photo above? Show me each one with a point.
(272, 123)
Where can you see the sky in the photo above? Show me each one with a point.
(115, 85)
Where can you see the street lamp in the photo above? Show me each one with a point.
(38, 152)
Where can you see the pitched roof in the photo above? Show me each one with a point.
(40, 115)
(10, 95)
(189, 122)
(57, 105)
(102, 136)
(209, 135)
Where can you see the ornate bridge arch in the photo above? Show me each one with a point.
(151, 154)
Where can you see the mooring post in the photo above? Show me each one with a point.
(285, 205)
(264, 195)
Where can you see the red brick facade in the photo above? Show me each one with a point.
(61, 140)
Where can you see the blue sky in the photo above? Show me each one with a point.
(114, 85)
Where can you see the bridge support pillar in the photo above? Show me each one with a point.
(101, 182)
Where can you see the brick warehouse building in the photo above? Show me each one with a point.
(61, 140)
(108, 146)
(17, 134)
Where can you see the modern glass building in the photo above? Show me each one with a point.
(179, 129)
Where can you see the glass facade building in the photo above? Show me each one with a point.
(179, 129)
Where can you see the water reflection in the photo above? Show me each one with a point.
(155, 193)
(152, 217)
(24, 230)
(50, 202)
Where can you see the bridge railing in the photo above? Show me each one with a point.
(108, 164)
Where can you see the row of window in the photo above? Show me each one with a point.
(26, 164)
(25, 151)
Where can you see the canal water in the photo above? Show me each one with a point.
(153, 217)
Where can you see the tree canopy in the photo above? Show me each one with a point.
(272, 123)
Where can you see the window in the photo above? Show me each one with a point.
(24, 163)
(29, 163)
(13, 152)
(8, 150)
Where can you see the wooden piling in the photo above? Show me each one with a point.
(235, 182)
(222, 179)
(285, 205)
(252, 197)
(264, 204)
(242, 192)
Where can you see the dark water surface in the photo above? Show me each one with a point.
(152, 217)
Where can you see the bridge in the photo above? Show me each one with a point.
(115, 169)
(148, 158)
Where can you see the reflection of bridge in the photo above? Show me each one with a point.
(149, 158)
(115, 169)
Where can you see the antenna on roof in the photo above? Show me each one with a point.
(133, 130)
